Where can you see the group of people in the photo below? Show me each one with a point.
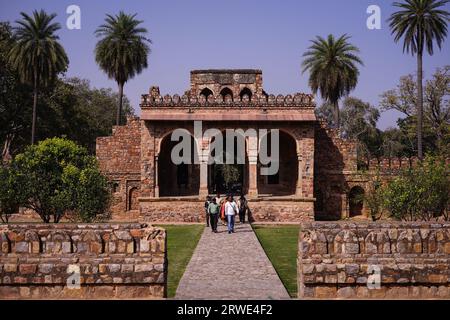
(226, 209)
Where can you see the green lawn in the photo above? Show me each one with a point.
(280, 242)
(181, 242)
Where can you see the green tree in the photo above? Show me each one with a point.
(436, 111)
(79, 112)
(57, 176)
(36, 54)
(10, 196)
(122, 51)
(420, 23)
(332, 65)
(420, 193)
(358, 122)
(15, 100)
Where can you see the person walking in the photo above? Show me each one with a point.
(213, 211)
(230, 212)
(242, 206)
(206, 205)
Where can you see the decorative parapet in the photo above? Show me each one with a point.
(297, 100)
(113, 261)
(374, 260)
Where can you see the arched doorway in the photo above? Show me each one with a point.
(229, 177)
(177, 179)
(246, 92)
(284, 182)
(226, 94)
(206, 93)
(356, 201)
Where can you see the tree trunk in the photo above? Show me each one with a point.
(6, 153)
(336, 114)
(33, 125)
(419, 105)
(119, 107)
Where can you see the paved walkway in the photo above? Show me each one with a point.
(230, 266)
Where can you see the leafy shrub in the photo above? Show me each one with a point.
(57, 176)
(420, 193)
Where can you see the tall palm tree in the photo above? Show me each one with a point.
(332, 65)
(420, 23)
(122, 51)
(36, 54)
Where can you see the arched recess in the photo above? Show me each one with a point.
(356, 201)
(238, 169)
(206, 92)
(178, 179)
(133, 195)
(284, 182)
(226, 94)
(246, 92)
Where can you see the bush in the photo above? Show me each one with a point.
(9, 194)
(58, 176)
(421, 193)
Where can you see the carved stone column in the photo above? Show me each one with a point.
(252, 154)
(298, 190)
(156, 178)
(203, 157)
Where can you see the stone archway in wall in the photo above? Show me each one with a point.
(133, 195)
(356, 201)
(284, 183)
(177, 179)
(216, 181)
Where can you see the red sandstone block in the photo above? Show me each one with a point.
(27, 268)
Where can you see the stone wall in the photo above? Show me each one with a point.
(335, 162)
(337, 260)
(114, 261)
(119, 157)
(191, 210)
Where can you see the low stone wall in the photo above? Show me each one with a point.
(339, 259)
(191, 210)
(112, 260)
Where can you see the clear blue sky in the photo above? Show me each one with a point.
(268, 35)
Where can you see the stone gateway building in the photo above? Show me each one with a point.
(317, 170)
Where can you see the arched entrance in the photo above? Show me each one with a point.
(177, 179)
(133, 199)
(245, 94)
(229, 177)
(206, 93)
(284, 182)
(227, 94)
(356, 201)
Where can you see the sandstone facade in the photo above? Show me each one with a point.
(112, 261)
(338, 260)
(318, 177)
(148, 185)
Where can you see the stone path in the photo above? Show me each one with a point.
(230, 266)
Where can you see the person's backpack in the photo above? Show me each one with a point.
(244, 205)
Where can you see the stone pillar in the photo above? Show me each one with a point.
(298, 190)
(156, 179)
(252, 154)
(203, 157)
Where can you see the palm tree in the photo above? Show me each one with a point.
(122, 52)
(420, 23)
(36, 54)
(332, 65)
